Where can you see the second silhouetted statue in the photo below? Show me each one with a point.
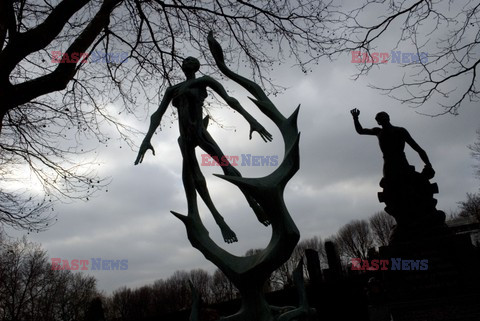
(408, 195)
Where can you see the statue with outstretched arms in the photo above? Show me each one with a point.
(188, 97)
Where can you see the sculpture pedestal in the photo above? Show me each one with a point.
(408, 196)
(448, 285)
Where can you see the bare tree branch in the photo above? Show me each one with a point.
(355, 239)
(440, 40)
(381, 225)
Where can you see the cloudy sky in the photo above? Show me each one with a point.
(337, 181)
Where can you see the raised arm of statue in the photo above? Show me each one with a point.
(233, 103)
(358, 127)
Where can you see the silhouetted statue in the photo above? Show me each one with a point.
(392, 141)
(250, 273)
(407, 193)
(188, 97)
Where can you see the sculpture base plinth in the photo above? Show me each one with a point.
(408, 196)
(448, 273)
(418, 232)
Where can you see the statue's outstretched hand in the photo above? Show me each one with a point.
(146, 145)
(256, 127)
(355, 112)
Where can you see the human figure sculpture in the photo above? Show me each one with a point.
(249, 273)
(188, 97)
(407, 193)
(392, 141)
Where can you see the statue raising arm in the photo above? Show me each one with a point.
(358, 127)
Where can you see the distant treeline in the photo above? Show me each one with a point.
(31, 290)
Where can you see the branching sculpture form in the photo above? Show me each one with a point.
(250, 273)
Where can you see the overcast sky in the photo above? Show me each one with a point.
(337, 181)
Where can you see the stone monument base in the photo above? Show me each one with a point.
(432, 277)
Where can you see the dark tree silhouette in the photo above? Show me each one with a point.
(355, 239)
(31, 290)
(471, 206)
(475, 152)
(162, 297)
(222, 288)
(119, 304)
(202, 282)
(95, 310)
(381, 225)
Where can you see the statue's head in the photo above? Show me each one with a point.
(190, 65)
(382, 118)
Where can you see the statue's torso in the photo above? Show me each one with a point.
(188, 98)
(392, 144)
(392, 141)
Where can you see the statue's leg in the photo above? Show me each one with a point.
(188, 177)
(200, 184)
(209, 145)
